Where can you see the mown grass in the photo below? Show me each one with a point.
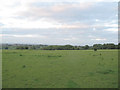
(60, 69)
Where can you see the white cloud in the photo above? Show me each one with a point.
(21, 15)
(67, 39)
(94, 29)
(25, 23)
(97, 20)
(62, 7)
(42, 23)
(106, 24)
(99, 39)
(75, 25)
(111, 25)
(111, 29)
(23, 36)
(9, 15)
(10, 9)
(97, 0)
(71, 39)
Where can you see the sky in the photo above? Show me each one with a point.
(53, 22)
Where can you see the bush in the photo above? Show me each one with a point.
(95, 49)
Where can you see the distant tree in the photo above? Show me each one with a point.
(57, 47)
(33, 47)
(20, 47)
(6, 47)
(68, 47)
(111, 46)
(95, 49)
(98, 46)
(62, 47)
(86, 47)
(118, 45)
(26, 47)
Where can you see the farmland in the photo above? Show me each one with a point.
(60, 69)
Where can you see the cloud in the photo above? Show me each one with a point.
(112, 30)
(42, 23)
(64, 7)
(24, 23)
(54, 12)
(99, 39)
(25, 15)
(71, 39)
(106, 25)
(75, 25)
(113, 25)
(61, 22)
(23, 36)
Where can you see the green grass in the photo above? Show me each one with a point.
(60, 69)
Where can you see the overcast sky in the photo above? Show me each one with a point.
(59, 22)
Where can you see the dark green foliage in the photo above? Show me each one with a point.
(95, 49)
(54, 56)
(118, 46)
(26, 47)
(57, 47)
(59, 56)
(21, 55)
(86, 47)
(98, 46)
(105, 72)
(109, 46)
(60, 47)
(64, 47)
(105, 46)
(24, 66)
(22, 46)
(6, 47)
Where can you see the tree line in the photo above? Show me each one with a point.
(86, 47)
(60, 47)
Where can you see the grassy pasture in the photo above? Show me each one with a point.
(60, 69)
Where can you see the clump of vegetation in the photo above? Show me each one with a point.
(36, 79)
(6, 47)
(59, 56)
(54, 56)
(105, 72)
(21, 55)
(94, 55)
(22, 47)
(95, 49)
(24, 66)
(49, 56)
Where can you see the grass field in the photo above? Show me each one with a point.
(60, 69)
